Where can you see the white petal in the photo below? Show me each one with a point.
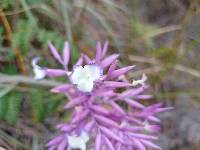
(85, 136)
(77, 74)
(39, 73)
(35, 61)
(93, 71)
(82, 146)
(135, 82)
(141, 81)
(85, 85)
(78, 142)
(144, 77)
(74, 141)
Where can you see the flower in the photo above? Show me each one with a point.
(38, 71)
(107, 110)
(78, 142)
(84, 77)
(141, 81)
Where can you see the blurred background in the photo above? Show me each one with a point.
(161, 37)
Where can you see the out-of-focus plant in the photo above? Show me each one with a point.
(10, 106)
(141, 29)
(43, 104)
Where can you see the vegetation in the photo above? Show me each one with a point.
(161, 37)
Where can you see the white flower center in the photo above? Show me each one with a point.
(84, 77)
(147, 126)
(78, 141)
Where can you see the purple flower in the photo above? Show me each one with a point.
(107, 110)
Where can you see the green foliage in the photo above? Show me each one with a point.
(194, 43)
(6, 3)
(3, 107)
(14, 107)
(43, 104)
(10, 106)
(166, 55)
(28, 32)
(141, 29)
(1, 35)
(23, 35)
(38, 105)
(37, 1)
(9, 68)
(43, 36)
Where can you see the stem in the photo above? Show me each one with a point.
(8, 30)
(27, 80)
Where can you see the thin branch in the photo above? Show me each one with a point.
(143, 59)
(7, 90)
(26, 80)
(158, 66)
(10, 13)
(158, 32)
(162, 31)
(187, 70)
(149, 70)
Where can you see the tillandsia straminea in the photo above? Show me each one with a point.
(107, 113)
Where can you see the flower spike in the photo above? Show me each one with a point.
(106, 109)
